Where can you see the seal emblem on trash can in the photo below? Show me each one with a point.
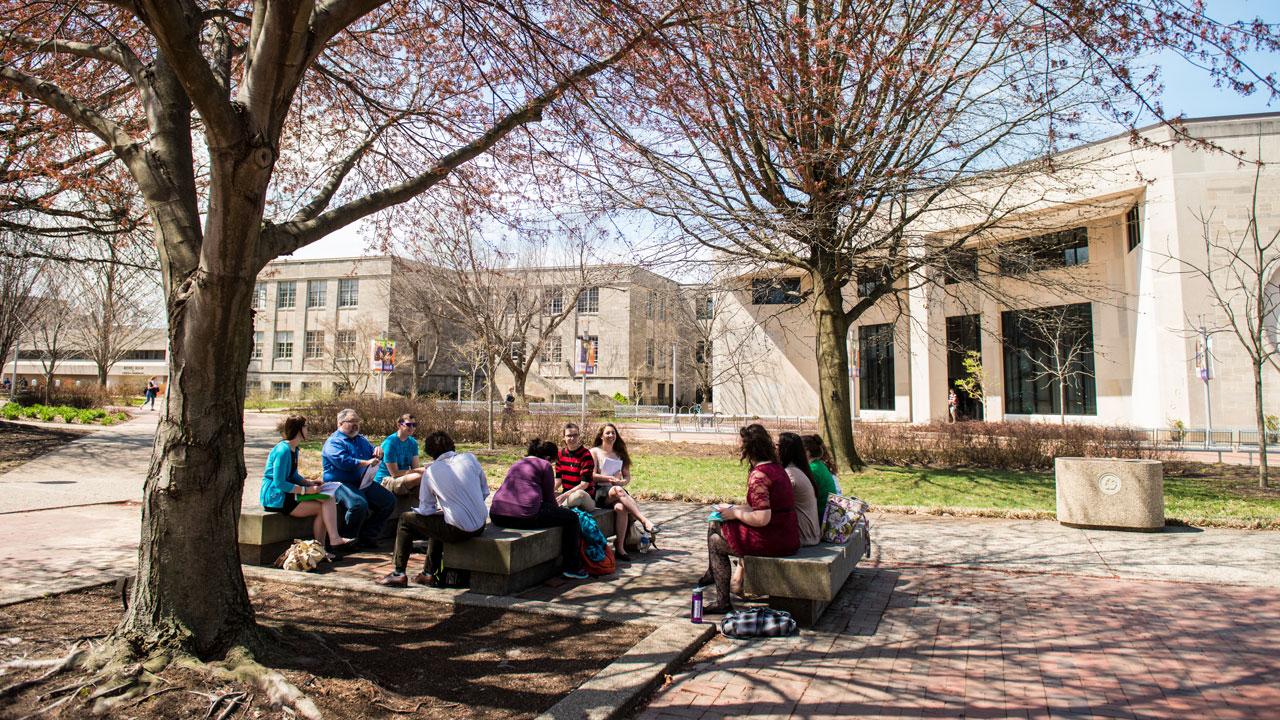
(1109, 484)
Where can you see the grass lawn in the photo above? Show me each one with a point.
(1195, 493)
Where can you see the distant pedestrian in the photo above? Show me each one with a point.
(153, 389)
(952, 401)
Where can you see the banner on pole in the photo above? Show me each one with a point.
(585, 354)
(383, 355)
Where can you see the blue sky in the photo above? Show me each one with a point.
(1188, 91)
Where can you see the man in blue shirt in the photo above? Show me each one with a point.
(400, 470)
(347, 458)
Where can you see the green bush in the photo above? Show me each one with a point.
(45, 413)
(11, 411)
(67, 413)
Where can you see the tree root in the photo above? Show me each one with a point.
(240, 666)
(73, 659)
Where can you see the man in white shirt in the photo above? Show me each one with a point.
(450, 509)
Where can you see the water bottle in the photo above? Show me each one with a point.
(695, 614)
(645, 542)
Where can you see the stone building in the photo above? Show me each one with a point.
(1110, 245)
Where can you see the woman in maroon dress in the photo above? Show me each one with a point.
(765, 526)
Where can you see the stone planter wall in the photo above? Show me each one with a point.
(1110, 493)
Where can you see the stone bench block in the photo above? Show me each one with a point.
(805, 583)
(1110, 493)
(504, 561)
(263, 535)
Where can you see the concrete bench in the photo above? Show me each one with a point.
(805, 583)
(503, 561)
(263, 535)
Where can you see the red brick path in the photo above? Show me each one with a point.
(938, 642)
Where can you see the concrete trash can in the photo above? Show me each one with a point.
(1110, 493)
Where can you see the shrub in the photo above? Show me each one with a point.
(1007, 445)
(468, 425)
(11, 411)
(83, 397)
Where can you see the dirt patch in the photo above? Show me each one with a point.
(356, 655)
(21, 443)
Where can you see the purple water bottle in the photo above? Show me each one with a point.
(695, 614)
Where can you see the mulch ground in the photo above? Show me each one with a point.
(22, 443)
(356, 655)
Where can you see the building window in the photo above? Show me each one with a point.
(134, 355)
(1048, 353)
(257, 346)
(314, 344)
(554, 300)
(703, 307)
(344, 345)
(871, 280)
(875, 367)
(348, 292)
(316, 290)
(259, 296)
(701, 352)
(648, 306)
(551, 351)
(961, 265)
(662, 308)
(517, 352)
(286, 295)
(648, 354)
(1045, 252)
(780, 291)
(284, 345)
(311, 389)
(589, 300)
(1133, 227)
(280, 390)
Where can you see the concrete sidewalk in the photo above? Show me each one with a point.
(110, 466)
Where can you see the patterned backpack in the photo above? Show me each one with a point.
(758, 622)
(842, 517)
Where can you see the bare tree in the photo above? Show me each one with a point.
(825, 138)
(116, 310)
(52, 322)
(346, 353)
(18, 280)
(1240, 270)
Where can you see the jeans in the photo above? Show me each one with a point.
(551, 515)
(363, 512)
(435, 531)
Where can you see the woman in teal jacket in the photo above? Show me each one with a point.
(282, 484)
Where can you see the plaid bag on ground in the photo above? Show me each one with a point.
(841, 517)
(758, 622)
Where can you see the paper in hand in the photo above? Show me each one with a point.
(611, 467)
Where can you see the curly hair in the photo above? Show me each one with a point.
(757, 446)
(546, 450)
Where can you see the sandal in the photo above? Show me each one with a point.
(622, 557)
(653, 530)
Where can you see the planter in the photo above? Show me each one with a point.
(1110, 493)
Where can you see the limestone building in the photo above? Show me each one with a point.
(1112, 246)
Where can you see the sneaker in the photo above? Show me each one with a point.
(395, 580)
(575, 574)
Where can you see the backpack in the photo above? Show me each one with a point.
(302, 555)
(842, 517)
(595, 568)
(758, 622)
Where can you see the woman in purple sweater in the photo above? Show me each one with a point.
(527, 499)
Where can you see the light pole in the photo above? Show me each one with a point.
(675, 381)
(17, 350)
(1204, 362)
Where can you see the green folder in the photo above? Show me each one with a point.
(313, 496)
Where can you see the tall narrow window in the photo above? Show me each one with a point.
(344, 344)
(259, 296)
(286, 295)
(704, 307)
(551, 351)
(315, 344)
(257, 345)
(648, 354)
(1048, 361)
(284, 345)
(1133, 227)
(875, 367)
(554, 298)
(589, 300)
(348, 292)
(316, 290)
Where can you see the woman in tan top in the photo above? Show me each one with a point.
(792, 456)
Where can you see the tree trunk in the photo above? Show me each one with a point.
(102, 375)
(1261, 421)
(190, 591)
(488, 383)
(835, 412)
(520, 378)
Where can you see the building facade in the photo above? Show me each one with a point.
(1110, 296)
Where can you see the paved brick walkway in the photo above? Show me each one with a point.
(946, 642)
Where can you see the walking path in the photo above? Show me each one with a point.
(953, 617)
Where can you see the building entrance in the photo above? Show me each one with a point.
(963, 337)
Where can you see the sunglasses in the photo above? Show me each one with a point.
(409, 424)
